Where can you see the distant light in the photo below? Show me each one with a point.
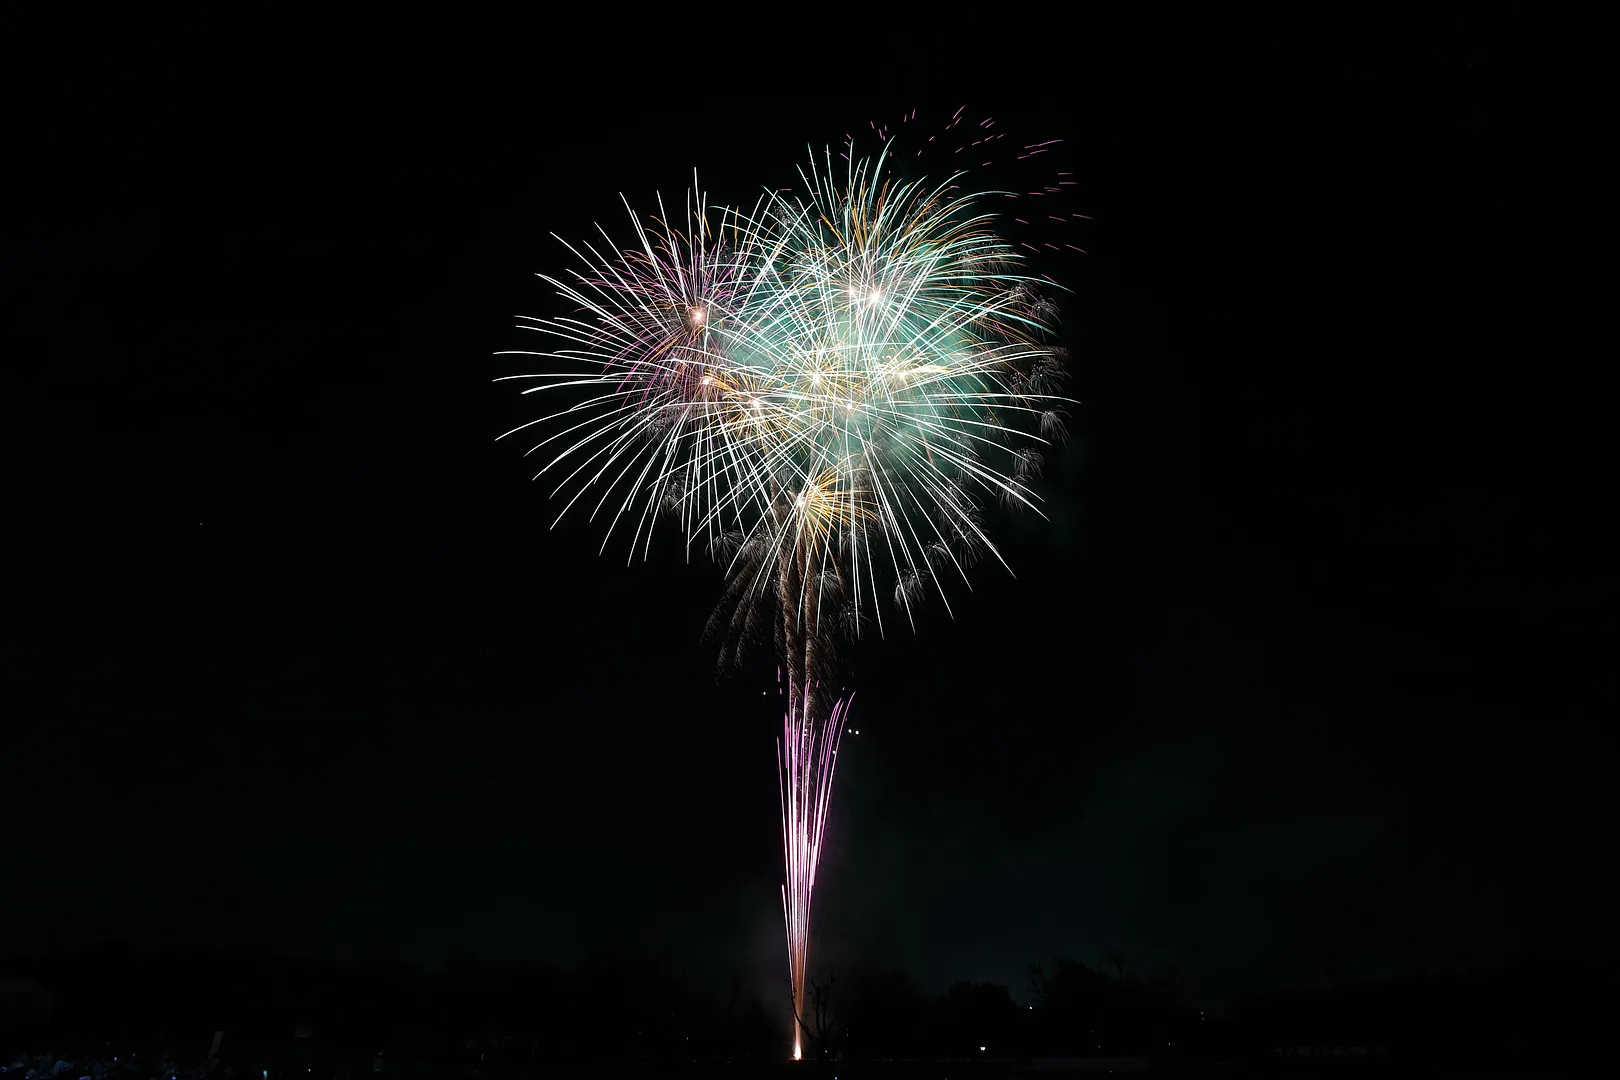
(981, 1049)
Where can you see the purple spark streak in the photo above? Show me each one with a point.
(806, 756)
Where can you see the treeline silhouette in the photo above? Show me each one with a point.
(618, 1006)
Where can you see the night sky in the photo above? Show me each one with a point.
(1301, 681)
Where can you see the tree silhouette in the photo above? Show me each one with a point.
(1084, 1010)
(971, 1016)
(507, 1021)
(884, 1014)
(819, 1021)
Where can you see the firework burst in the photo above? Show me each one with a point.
(822, 391)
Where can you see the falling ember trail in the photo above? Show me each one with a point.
(806, 755)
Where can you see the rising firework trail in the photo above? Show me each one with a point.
(807, 754)
(823, 391)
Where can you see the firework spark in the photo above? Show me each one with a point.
(823, 391)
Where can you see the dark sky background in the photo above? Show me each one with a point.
(1301, 681)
